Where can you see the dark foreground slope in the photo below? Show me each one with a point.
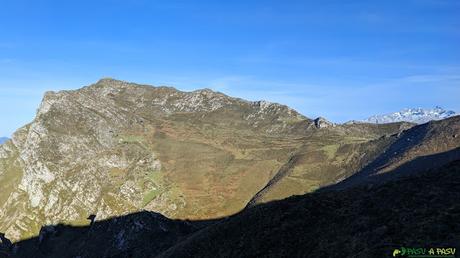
(421, 211)
(366, 221)
(426, 146)
(140, 234)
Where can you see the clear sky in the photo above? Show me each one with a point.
(339, 59)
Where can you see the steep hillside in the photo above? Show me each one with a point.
(422, 147)
(328, 156)
(418, 211)
(114, 148)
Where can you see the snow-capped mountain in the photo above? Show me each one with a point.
(3, 139)
(413, 115)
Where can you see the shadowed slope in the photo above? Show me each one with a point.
(420, 210)
(420, 148)
(135, 235)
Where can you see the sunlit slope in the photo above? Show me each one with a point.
(328, 156)
(114, 147)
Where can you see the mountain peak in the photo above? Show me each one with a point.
(110, 81)
(413, 115)
(111, 84)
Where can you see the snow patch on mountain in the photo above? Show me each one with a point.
(413, 115)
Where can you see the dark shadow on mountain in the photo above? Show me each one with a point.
(435, 136)
(369, 174)
(141, 234)
(417, 211)
(420, 210)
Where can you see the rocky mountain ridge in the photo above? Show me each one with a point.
(111, 148)
(114, 148)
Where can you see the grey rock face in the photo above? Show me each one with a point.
(321, 122)
(86, 152)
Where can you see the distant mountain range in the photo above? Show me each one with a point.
(3, 139)
(413, 115)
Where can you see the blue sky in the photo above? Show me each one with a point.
(339, 59)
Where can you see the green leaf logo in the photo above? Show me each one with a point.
(397, 252)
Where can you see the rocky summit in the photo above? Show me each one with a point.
(115, 148)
